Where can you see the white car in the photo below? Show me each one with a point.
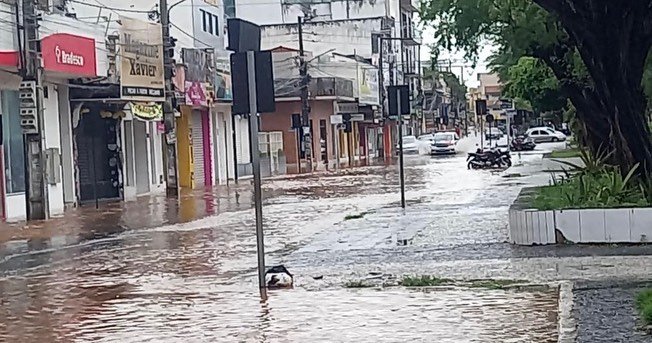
(427, 138)
(493, 134)
(444, 143)
(545, 134)
(410, 145)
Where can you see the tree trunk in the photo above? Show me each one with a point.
(613, 39)
(591, 116)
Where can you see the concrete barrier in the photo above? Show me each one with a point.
(612, 225)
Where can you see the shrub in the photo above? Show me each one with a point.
(594, 185)
(644, 305)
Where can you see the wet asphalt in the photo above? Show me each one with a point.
(157, 273)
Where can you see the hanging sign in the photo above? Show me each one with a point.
(141, 61)
(147, 112)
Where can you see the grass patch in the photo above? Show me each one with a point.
(494, 284)
(424, 281)
(644, 306)
(357, 284)
(355, 216)
(567, 153)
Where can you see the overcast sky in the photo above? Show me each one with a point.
(470, 75)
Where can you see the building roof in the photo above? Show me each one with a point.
(282, 48)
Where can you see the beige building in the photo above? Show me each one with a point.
(491, 89)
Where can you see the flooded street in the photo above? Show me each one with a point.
(195, 280)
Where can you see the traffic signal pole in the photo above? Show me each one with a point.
(172, 171)
(31, 111)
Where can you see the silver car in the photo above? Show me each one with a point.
(545, 134)
(410, 145)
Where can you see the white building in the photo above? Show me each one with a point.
(195, 24)
(348, 27)
(70, 49)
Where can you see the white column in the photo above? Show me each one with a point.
(53, 141)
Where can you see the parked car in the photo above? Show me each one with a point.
(545, 134)
(494, 133)
(410, 145)
(444, 143)
(427, 138)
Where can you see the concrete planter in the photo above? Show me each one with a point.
(621, 225)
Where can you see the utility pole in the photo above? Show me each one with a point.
(31, 111)
(305, 105)
(168, 110)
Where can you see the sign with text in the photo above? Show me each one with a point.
(141, 61)
(147, 112)
(199, 77)
(346, 107)
(69, 54)
(368, 85)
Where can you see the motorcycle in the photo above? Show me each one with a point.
(494, 158)
(521, 144)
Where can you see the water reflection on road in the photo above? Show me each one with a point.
(195, 281)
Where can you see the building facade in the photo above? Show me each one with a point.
(382, 32)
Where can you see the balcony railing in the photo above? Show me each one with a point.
(318, 86)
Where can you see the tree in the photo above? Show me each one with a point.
(531, 80)
(583, 42)
(614, 39)
(458, 90)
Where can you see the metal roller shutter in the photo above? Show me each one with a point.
(197, 149)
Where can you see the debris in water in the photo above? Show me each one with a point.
(278, 277)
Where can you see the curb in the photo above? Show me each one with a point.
(567, 325)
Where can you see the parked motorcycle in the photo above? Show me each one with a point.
(489, 159)
(521, 144)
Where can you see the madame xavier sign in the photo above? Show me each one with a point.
(141, 65)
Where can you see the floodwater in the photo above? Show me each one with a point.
(174, 280)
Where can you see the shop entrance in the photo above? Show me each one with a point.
(98, 158)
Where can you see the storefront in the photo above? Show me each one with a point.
(195, 126)
(64, 56)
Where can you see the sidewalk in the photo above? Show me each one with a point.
(145, 212)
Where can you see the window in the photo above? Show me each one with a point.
(204, 20)
(229, 8)
(210, 23)
(12, 133)
(375, 43)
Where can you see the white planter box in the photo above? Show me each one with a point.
(622, 225)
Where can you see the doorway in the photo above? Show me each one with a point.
(141, 157)
(98, 159)
(323, 141)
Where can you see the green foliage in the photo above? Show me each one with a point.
(593, 185)
(494, 284)
(566, 153)
(644, 305)
(531, 80)
(513, 26)
(424, 281)
(458, 90)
